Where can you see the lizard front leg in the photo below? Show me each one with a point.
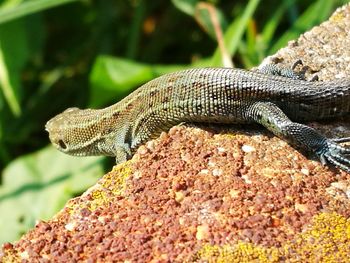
(122, 153)
(271, 116)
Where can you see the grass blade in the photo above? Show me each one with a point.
(27, 8)
(7, 88)
(234, 32)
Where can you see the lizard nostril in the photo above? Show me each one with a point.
(62, 144)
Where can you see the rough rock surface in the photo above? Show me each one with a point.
(213, 194)
(324, 49)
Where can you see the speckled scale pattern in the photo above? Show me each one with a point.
(206, 95)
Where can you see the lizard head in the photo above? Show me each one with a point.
(77, 132)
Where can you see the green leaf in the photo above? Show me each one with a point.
(186, 6)
(37, 185)
(112, 78)
(28, 7)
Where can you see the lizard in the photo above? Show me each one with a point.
(280, 100)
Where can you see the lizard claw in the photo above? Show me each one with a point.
(335, 154)
(297, 63)
(314, 78)
(303, 70)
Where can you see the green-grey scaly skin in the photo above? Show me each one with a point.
(208, 95)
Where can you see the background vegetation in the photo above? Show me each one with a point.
(56, 54)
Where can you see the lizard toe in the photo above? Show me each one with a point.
(297, 63)
(334, 146)
(339, 161)
(341, 140)
(336, 155)
(315, 78)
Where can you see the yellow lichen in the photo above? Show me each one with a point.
(10, 257)
(327, 240)
(99, 198)
(337, 16)
(115, 180)
(111, 185)
(241, 252)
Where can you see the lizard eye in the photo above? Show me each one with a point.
(62, 144)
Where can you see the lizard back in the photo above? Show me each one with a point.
(218, 95)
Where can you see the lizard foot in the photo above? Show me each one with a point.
(276, 70)
(303, 70)
(336, 154)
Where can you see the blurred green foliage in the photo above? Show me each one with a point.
(56, 54)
